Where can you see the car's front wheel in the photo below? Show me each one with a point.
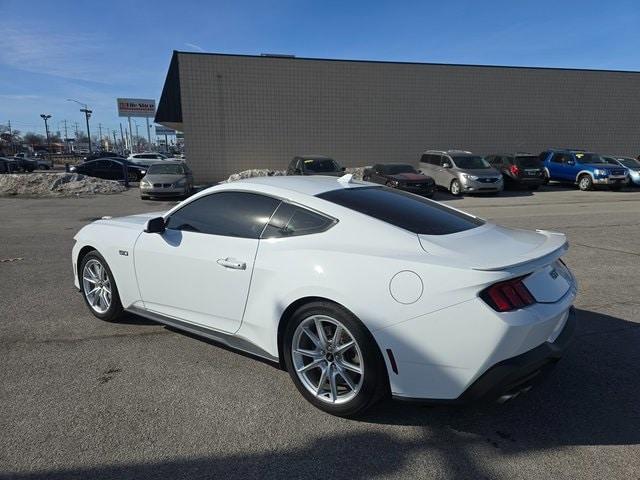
(333, 359)
(585, 182)
(455, 188)
(99, 288)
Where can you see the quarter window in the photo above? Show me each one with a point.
(232, 214)
(290, 220)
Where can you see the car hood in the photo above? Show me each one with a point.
(492, 247)
(410, 177)
(330, 174)
(131, 221)
(163, 178)
(480, 172)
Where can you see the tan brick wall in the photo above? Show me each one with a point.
(258, 112)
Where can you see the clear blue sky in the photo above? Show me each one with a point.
(97, 51)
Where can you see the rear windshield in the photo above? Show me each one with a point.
(404, 210)
(320, 165)
(528, 162)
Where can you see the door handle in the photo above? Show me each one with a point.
(232, 263)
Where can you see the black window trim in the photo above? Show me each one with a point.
(282, 200)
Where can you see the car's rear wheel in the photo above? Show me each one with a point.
(455, 188)
(333, 359)
(99, 288)
(585, 182)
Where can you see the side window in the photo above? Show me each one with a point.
(434, 160)
(290, 220)
(444, 160)
(232, 214)
(558, 158)
(424, 158)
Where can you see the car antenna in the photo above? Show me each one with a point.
(348, 178)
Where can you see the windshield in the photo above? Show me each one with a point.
(528, 162)
(629, 162)
(470, 162)
(163, 169)
(590, 158)
(321, 165)
(394, 169)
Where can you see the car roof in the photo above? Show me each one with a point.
(450, 152)
(314, 157)
(307, 185)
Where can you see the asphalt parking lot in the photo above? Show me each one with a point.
(85, 399)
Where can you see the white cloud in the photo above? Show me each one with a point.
(195, 47)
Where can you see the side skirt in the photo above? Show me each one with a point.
(230, 341)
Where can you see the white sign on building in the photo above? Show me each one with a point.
(136, 107)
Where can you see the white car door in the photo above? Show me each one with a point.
(199, 270)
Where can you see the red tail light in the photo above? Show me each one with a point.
(507, 296)
(514, 169)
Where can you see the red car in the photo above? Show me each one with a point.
(401, 176)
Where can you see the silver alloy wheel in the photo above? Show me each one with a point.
(327, 359)
(96, 286)
(584, 182)
(455, 187)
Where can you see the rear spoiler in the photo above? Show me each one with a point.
(555, 246)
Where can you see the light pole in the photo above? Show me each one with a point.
(87, 115)
(137, 136)
(46, 128)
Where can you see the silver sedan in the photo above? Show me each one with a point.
(167, 179)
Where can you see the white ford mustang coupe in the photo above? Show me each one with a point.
(358, 290)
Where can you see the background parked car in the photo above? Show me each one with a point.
(26, 164)
(518, 169)
(146, 158)
(461, 172)
(8, 165)
(631, 164)
(314, 165)
(169, 178)
(401, 176)
(584, 168)
(111, 169)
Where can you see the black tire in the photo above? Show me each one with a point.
(115, 310)
(144, 197)
(455, 188)
(585, 182)
(545, 177)
(375, 382)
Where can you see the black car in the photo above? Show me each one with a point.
(111, 169)
(9, 165)
(401, 176)
(103, 154)
(314, 165)
(26, 164)
(518, 169)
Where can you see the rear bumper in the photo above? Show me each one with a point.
(515, 374)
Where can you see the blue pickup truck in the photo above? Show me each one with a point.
(587, 169)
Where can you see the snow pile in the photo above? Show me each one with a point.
(262, 172)
(56, 185)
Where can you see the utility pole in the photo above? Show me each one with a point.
(100, 137)
(115, 142)
(87, 115)
(46, 127)
(148, 132)
(137, 136)
(76, 124)
(124, 146)
(11, 136)
(130, 135)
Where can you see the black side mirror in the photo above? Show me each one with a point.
(446, 165)
(155, 225)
